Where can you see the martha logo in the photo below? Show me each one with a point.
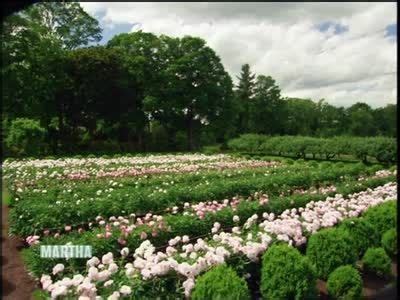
(65, 251)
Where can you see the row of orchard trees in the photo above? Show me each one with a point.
(143, 92)
(383, 149)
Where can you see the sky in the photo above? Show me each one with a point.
(342, 52)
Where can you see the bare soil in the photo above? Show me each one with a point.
(15, 280)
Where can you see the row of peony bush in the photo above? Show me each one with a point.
(182, 261)
(223, 212)
(59, 207)
(383, 149)
(103, 162)
(130, 232)
(31, 175)
(287, 274)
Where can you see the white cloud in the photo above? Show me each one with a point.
(282, 40)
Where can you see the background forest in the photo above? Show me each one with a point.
(143, 92)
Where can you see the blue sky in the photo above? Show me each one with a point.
(338, 28)
(391, 30)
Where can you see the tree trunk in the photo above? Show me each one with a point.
(189, 125)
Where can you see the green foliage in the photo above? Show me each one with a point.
(389, 242)
(286, 274)
(220, 283)
(383, 149)
(362, 233)
(212, 149)
(376, 261)
(345, 283)
(247, 142)
(382, 217)
(179, 224)
(25, 137)
(329, 249)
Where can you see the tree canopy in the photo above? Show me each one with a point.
(142, 91)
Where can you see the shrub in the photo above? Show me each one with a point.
(286, 274)
(389, 242)
(384, 149)
(382, 217)
(25, 137)
(345, 283)
(362, 233)
(289, 161)
(211, 149)
(340, 164)
(247, 142)
(329, 249)
(376, 261)
(220, 283)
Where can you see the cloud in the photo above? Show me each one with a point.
(343, 52)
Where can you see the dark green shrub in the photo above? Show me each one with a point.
(344, 283)
(25, 137)
(211, 149)
(286, 274)
(289, 161)
(376, 261)
(389, 241)
(329, 249)
(384, 149)
(313, 164)
(220, 283)
(340, 165)
(362, 233)
(247, 142)
(382, 217)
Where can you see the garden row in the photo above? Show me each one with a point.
(383, 149)
(113, 234)
(60, 205)
(22, 174)
(174, 272)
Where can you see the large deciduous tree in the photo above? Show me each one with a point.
(200, 86)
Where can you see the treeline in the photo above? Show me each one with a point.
(382, 149)
(142, 92)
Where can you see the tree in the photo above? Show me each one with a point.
(302, 116)
(66, 22)
(329, 120)
(34, 56)
(361, 120)
(266, 112)
(244, 95)
(141, 58)
(385, 119)
(199, 86)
